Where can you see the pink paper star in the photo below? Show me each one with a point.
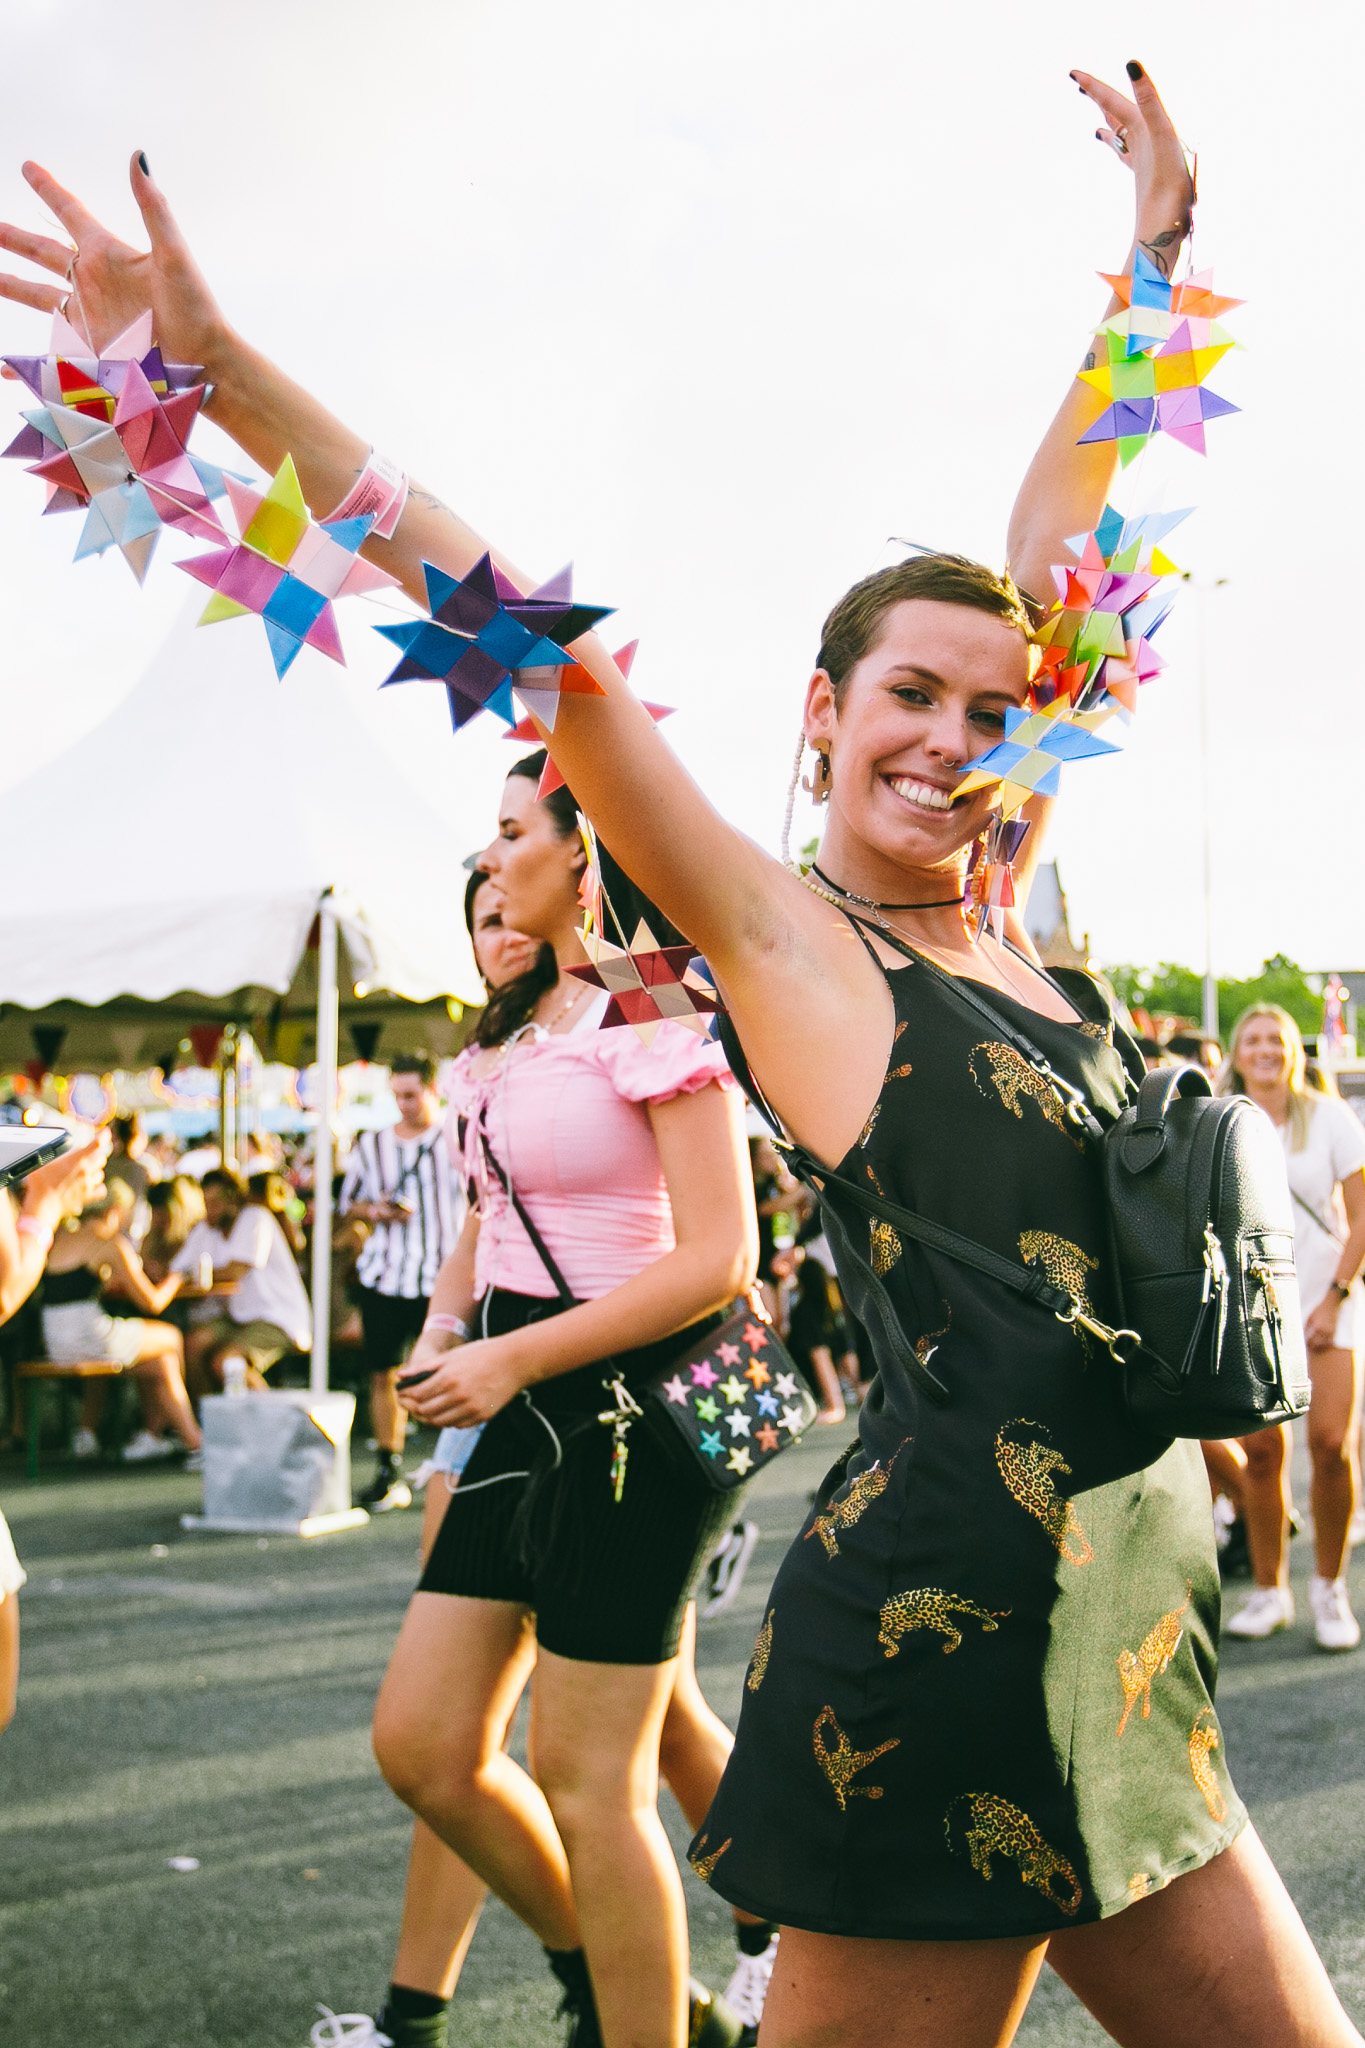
(702, 1375)
(729, 1354)
(676, 1391)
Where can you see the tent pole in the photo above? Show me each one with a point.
(322, 1151)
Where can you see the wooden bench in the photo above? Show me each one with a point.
(39, 1369)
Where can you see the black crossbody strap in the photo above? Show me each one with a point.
(569, 1299)
(1030, 1282)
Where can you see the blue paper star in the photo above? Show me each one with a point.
(482, 631)
(711, 1443)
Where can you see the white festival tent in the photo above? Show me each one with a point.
(271, 806)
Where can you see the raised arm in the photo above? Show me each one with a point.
(1065, 487)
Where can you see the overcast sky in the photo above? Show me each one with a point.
(714, 300)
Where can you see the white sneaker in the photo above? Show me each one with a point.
(725, 1572)
(144, 1445)
(85, 1444)
(748, 1988)
(1263, 1612)
(1334, 1625)
(1224, 1515)
(347, 2030)
(194, 1462)
(1356, 1533)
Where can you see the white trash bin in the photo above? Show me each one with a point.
(277, 1464)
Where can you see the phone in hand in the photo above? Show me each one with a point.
(415, 1379)
(24, 1148)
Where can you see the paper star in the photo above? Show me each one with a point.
(739, 1460)
(732, 1390)
(729, 1354)
(1028, 761)
(483, 631)
(1157, 353)
(794, 1418)
(767, 1438)
(757, 1373)
(649, 984)
(703, 1376)
(71, 375)
(711, 1443)
(526, 732)
(786, 1385)
(676, 1391)
(755, 1336)
(707, 1408)
(738, 1422)
(286, 568)
(765, 1404)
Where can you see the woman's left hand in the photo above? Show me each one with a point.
(1320, 1328)
(469, 1386)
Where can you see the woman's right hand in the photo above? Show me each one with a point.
(110, 284)
(68, 1184)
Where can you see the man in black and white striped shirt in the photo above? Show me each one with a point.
(399, 1180)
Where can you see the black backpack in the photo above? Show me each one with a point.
(1202, 1235)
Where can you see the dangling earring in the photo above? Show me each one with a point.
(819, 784)
(990, 873)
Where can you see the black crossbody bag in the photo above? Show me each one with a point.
(1201, 1232)
(726, 1406)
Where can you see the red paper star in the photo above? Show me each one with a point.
(756, 1337)
(767, 1438)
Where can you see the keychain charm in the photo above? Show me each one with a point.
(620, 1418)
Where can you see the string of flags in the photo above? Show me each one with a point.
(1092, 651)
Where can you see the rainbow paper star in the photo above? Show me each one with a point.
(286, 568)
(1028, 761)
(1158, 352)
(525, 733)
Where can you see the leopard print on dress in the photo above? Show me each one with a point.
(885, 1245)
(763, 1645)
(705, 1865)
(1104, 1032)
(998, 1829)
(1159, 1645)
(1015, 1081)
(842, 1514)
(1203, 1742)
(843, 1762)
(1027, 1470)
(1065, 1264)
(929, 1607)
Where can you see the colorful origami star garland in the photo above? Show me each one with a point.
(111, 436)
(1093, 649)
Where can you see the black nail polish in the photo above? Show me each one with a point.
(142, 163)
(1133, 68)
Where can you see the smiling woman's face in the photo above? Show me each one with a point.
(930, 694)
(1263, 1055)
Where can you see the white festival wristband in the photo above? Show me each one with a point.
(382, 490)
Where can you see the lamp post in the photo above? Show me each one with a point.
(1202, 591)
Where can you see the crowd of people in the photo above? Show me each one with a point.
(927, 1793)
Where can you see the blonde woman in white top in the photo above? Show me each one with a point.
(1325, 1155)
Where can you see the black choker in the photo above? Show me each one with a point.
(852, 896)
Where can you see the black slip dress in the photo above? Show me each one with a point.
(981, 1699)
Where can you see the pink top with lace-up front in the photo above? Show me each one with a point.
(567, 1118)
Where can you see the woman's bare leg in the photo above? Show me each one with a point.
(455, 1676)
(160, 1369)
(827, 1379)
(595, 1732)
(831, 1991)
(1226, 1462)
(1219, 1959)
(1333, 1419)
(1265, 1495)
(441, 1906)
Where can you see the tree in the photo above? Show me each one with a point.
(1174, 991)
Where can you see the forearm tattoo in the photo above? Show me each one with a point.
(1165, 247)
(429, 499)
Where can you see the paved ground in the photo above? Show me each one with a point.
(210, 1697)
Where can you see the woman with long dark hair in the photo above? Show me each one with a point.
(978, 1728)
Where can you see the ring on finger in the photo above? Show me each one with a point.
(1121, 141)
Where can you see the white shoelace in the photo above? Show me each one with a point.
(748, 1988)
(346, 2030)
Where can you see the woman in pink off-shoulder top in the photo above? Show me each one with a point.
(631, 1163)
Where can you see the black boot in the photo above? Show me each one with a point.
(570, 1965)
(412, 2019)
